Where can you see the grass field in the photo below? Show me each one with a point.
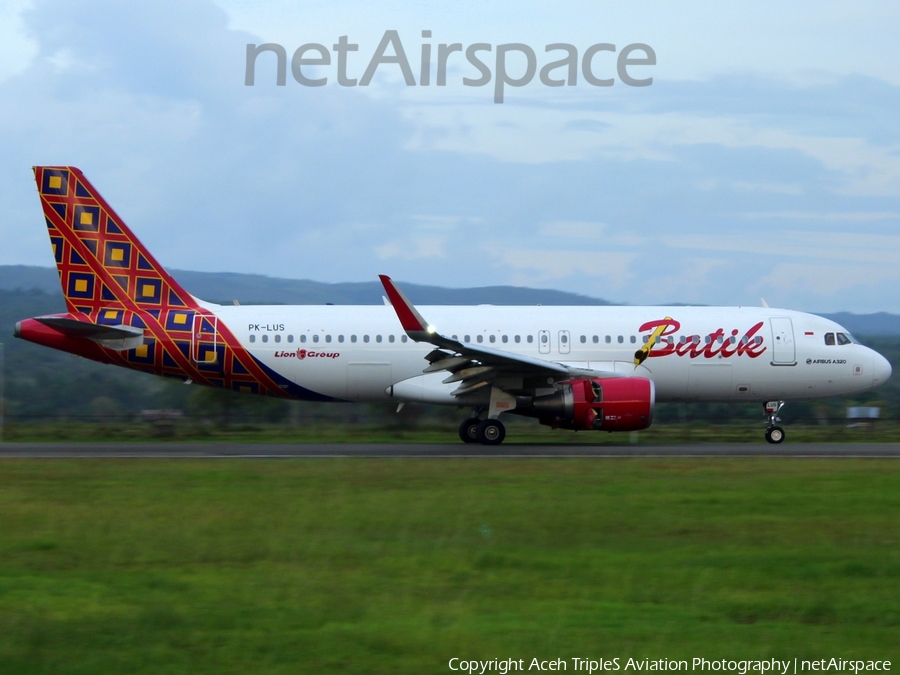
(395, 566)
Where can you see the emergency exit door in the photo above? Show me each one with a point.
(544, 342)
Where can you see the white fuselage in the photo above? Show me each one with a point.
(361, 353)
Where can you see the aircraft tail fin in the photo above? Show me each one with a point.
(104, 269)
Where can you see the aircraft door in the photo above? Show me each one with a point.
(564, 345)
(783, 348)
(544, 341)
(204, 347)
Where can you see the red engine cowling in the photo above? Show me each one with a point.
(609, 404)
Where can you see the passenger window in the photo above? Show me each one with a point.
(479, 338)
(583, 339)
(633, 339)
(467, 338)
(608, 339)
(544, 339)
(842, 339)
(829, 339)
(352, 338)
(315, 338)
(402, 338)
(530, 339)
(492, 338)
(265, 338)
(621, 339)
(377, 338)
(365, 338)
(302, 338)
(518, 339)
(596, 339)
(290, 338)
(390, 338)
(277, 338)
(505, 339)
(327, 338)
(252, 338)
(340, 338)
(564, 338)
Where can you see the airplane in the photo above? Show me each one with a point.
(579, 368)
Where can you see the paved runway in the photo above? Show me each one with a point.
(437, 450)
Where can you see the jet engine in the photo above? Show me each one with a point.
(608, 404)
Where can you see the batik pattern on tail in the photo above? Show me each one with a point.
(108, 277)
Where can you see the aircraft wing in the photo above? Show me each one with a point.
(475, 366)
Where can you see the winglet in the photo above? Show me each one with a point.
(641, 354)
(413, 323)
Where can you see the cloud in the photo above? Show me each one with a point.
(847, 246)
(561, 229)
(700, 190)
(542, 266)
(17, 48)
(821, 216)
(416, 248)
(828, 279)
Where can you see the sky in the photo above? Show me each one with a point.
(762, 162)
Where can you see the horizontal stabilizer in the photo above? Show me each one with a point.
(119, 338)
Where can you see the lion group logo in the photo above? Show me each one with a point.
(303, 354)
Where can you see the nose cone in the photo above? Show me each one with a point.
(881, 369)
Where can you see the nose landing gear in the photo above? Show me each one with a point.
(774, 433)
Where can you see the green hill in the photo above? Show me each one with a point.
(44, 384)
(254, 289)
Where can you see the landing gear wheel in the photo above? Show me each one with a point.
(775, 435)
(468, 430)
(491, 432)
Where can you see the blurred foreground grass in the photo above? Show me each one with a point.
(518, 431)
(395, 566)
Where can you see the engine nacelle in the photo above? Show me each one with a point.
(608, 404)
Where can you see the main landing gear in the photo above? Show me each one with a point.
(468, 430)
(774, 433)
(486, 432)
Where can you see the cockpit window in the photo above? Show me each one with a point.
(829, 339)
(843, 339)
